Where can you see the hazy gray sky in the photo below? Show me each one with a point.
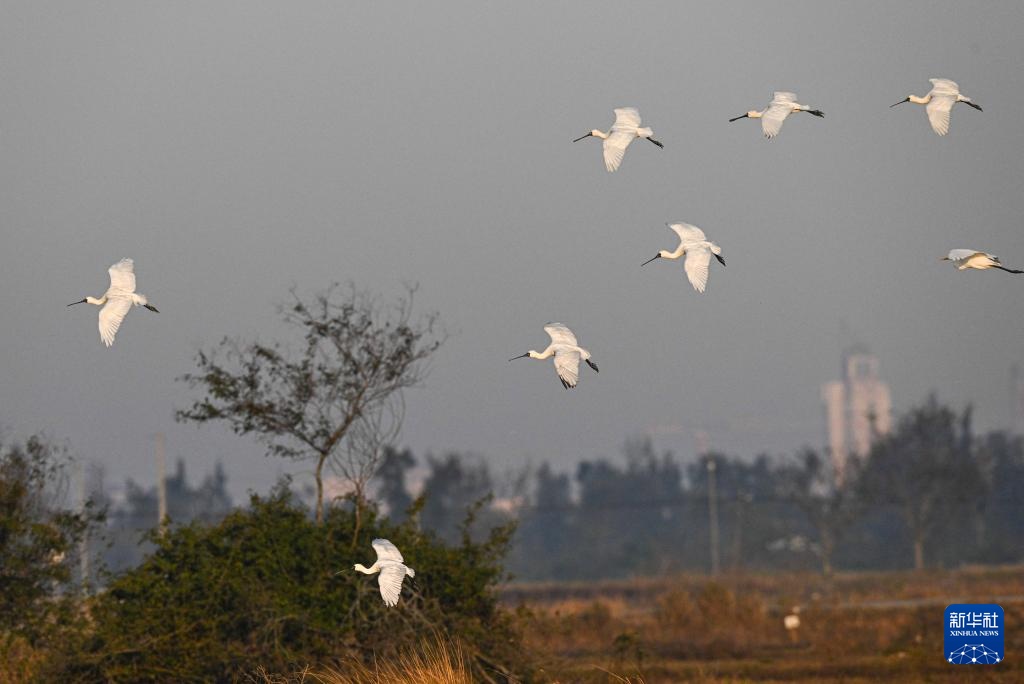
(235, 149)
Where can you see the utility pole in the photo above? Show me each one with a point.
(713, 515)
(161, 483)
(83, 546)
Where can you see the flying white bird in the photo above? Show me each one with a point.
(782, 105)
(625, 130)
(567, 354)
(391, 567)
(972, 258)
(117, 300)
(944, 94)
(698, 250)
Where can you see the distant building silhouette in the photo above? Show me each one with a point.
(857, 408)
(1016, 399)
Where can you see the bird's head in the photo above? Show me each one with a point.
(661, 253)
(945, 258)
(593, 132)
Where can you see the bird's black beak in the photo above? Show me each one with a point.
(151, 308)
(81, 301)
(906, 99)
(582, 137)
(650, 260)
(519, 357)
(976, 106)
(737, 118)
(661, 145)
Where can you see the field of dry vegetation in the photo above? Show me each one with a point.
(856, 627)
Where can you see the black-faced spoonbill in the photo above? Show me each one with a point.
(392, 569)
(698, 250)
(939, 103)
(625, 130)
(567, 354)
(117, 300)
(782, 105)
(972, 258)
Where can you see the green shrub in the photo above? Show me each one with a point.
(260, 589)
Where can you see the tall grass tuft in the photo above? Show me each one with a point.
(438, 661)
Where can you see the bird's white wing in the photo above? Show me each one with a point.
(111, 315)
(615, 148)
(390, 581)
(688, 232)
(961, 254)
(386, 551)
(626, 119)
(943, 86)
(938, 109)
(567, 365)
(122, 276)
(772, 118)
(783, 96)
(560, 334)
(697, 262)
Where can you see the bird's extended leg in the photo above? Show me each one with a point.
(151, 308)
(656, 142)
(720, 259)
(816, 112)
(1008, 270)
(593, 365)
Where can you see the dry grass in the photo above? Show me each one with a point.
(859, 627)
(433, 662)
(19, 662)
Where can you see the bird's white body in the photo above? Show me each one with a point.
(625, 130)
(939, 103)
(567, 354)
(972, 258)
(392, 569)
(697, 249)
(772, 117)
(118, 300)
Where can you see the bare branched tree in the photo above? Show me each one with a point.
(337, 399)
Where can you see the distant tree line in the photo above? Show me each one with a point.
(930, 493)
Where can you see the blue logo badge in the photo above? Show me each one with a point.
(974, 634)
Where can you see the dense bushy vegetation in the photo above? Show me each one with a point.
(260, 589)
(39, 535)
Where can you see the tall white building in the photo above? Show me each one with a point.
(857, 408)
(1016, 399)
